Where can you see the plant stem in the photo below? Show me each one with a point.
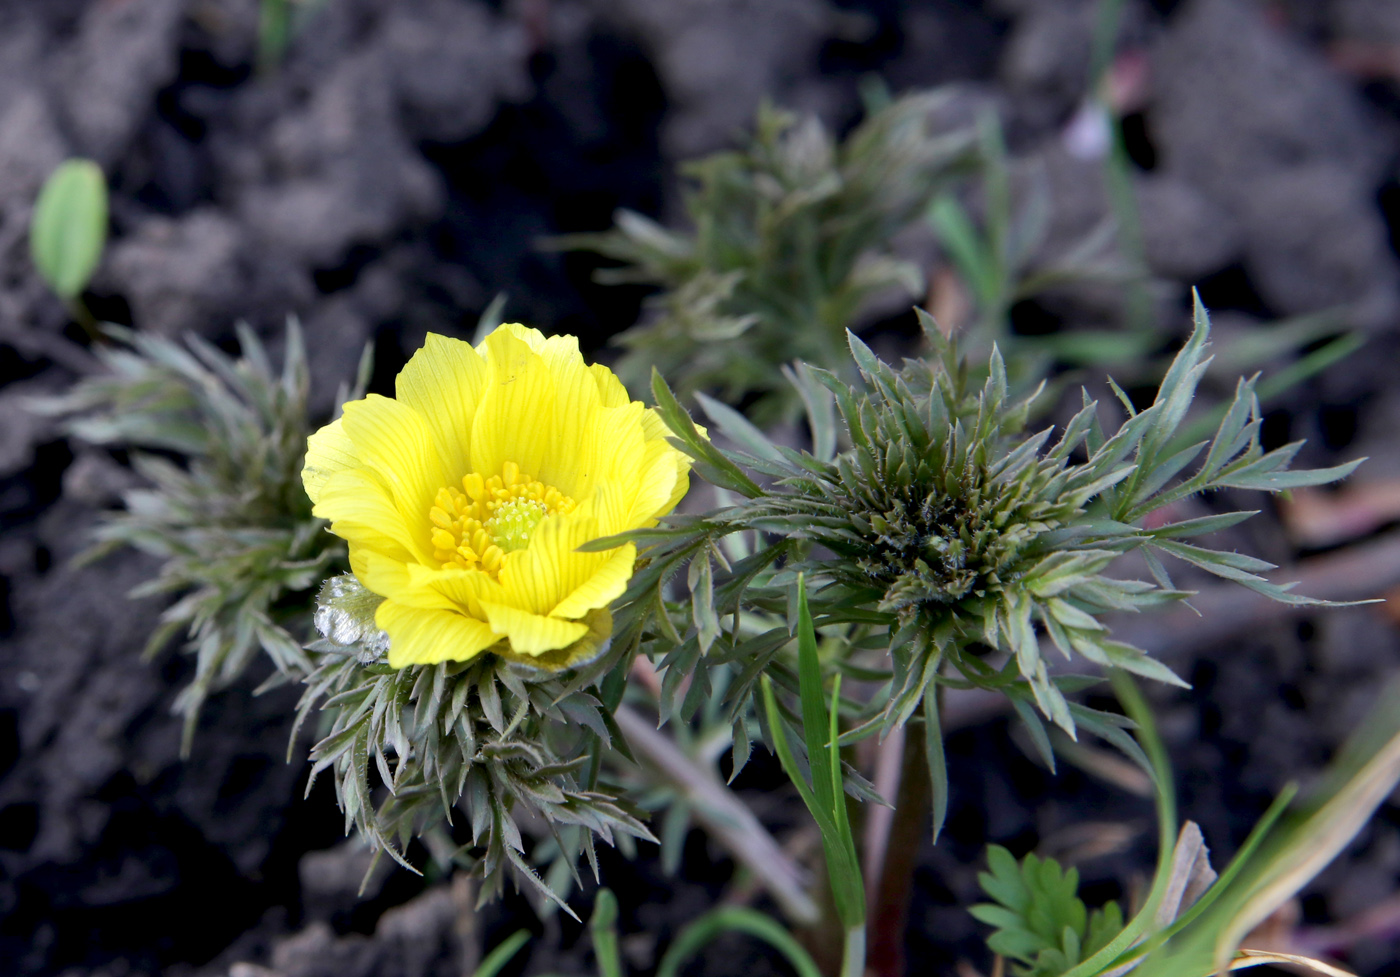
(890, 906)
(853, 959)
(83, 316)
(1118, 176)
(274, 33)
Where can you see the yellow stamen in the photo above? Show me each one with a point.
(475, 527)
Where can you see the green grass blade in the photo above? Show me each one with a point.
(937, 763)
(814, 717)
(602, 927)
(504, 952)
(1312, 846)
(838, 846)
(786, 758)
(825, 796)
(274, 32)
(821, 730)
(738, 919)
(846, 873)
(1251, 844)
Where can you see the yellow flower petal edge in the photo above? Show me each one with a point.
(465, 498)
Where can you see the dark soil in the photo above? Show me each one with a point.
(397, 171)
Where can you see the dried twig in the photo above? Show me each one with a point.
(727, 819)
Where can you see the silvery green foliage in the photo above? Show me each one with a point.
(943, 544)
(998, 246)
(791, 240)
(478, 738)
(223, 506)
(230, 521)
(947, 544)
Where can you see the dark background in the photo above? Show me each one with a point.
(396, 172)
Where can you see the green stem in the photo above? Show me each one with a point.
(1107, 19)
(274, 33)
(1146, 920)
(1141, 713)
(1118, 172)
(743, 920)
(1118, 169)
(83, 316)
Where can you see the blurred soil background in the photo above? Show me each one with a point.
(397, 170)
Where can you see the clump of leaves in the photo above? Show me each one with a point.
(997, 247)
(1040, 922)
(944, 546)
(484, 737)
(947, 545)
(219, 441)
(790, 242)
(1192, 921)
(998, 251)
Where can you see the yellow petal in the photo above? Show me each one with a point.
(570, 466)
(443, 382)
(566, 465)
(580, 652)
(610, 504)
(465, 589)
(393, 440)
(617, 447)
(515, 418)
(656, 430)
(531, 634)
(602, 588)
(655, 484)
(538, 577)
(424, 637)
(528, 335)
(396, 581)
(639, 483)
(681, 487)
(610, 389)
(362, 510)
(654, 427)
(328, 451)
(557, 351)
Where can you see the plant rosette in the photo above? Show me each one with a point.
(465, 499)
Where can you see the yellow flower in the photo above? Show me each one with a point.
(465, 499)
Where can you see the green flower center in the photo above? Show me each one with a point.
(513, 523)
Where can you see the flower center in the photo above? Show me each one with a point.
(476, 526)
(513, 523)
